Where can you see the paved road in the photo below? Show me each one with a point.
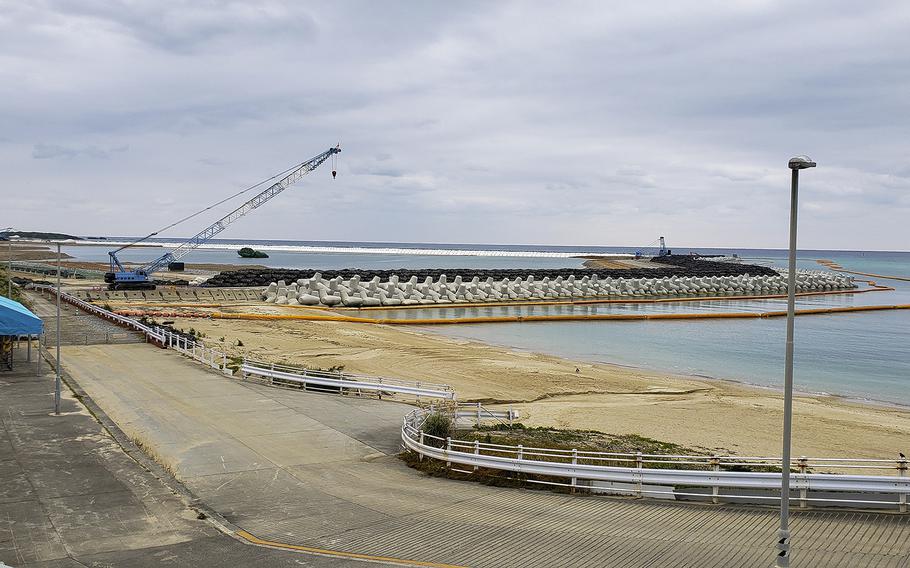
(319, 471)
(70, 496)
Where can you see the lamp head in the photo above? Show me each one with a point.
(801, 163)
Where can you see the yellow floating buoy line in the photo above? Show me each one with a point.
(539, 318)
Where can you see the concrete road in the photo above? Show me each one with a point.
(71, 496)
(319, 471)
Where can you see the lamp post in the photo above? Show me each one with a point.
(57, 366)
(783, 534)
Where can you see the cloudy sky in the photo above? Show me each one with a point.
(592, 123)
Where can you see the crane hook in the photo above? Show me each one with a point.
(334, 173)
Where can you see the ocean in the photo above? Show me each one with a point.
(863, 355)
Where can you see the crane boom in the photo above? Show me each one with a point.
(119, 277)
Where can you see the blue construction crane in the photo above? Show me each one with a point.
(119, 278)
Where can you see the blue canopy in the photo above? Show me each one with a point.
(16, 319)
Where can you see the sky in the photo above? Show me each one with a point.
(570, 123)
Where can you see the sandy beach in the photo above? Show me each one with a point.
(711, 414)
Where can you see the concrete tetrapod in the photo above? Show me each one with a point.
(393, 292)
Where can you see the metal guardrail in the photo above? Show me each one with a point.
(194, 349)
(218, 360)
(475, 413)
(585, 470)
(347, 381)
(151, 333)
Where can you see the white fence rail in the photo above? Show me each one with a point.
(196, 350)
(152, 333)
(219, 360)
(593, 471)
(475, 413)
(347, 381)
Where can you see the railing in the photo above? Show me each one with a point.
(151, 333)
(167, 339)
(196, 350)
(700, 477)
(219, 360)
(475, 413)
(337, 380)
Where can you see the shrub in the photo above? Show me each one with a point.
(439, 425)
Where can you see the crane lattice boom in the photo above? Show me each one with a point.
(140, 278)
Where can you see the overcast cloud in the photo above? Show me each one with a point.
(588, 123)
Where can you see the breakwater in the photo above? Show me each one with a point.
(355, 292)
(665, 267)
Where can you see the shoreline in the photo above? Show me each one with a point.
(846, 398)
(547, 390)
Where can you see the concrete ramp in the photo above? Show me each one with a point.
(320, 471)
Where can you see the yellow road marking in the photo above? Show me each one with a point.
(355, 555)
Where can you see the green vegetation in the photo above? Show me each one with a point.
(551, 438)
(4, 286)
(247, 252)
(439, 425)
(4, 235)
(581, 440)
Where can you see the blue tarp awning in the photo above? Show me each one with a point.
(16, 319)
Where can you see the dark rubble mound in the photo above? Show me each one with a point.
(674, 266)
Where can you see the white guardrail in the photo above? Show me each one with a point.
(475, 413)
(592, 471)
(346, 381)
(151, 333)
(218, 360)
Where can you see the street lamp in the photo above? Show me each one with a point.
(783, 534)
(57, 365)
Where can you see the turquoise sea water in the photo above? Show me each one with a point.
(861, 355)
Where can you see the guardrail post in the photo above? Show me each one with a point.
(803, 463)
(224, 361)
(638, 464)
(574, 462)
(511, 416)
(448, 449)
(715, 491)
(902, 472)
(243, 368)
(476, 450)
(420, 454)
(478, 415)
(418, 396)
